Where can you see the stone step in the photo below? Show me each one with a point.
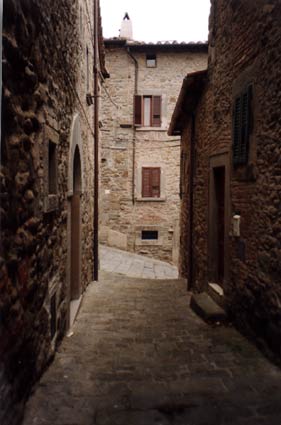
(216, 292)
(203, 305)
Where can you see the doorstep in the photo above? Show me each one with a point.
(217, 294)
(203, 305)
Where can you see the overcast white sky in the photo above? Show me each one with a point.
(155, 20)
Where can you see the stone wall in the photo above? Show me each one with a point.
(126, 149)
(244, 50)
(44, 89)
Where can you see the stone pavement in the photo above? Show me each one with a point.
(139, 356)
(134, 265)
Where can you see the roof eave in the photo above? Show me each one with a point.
(142, 46)
(190, 93)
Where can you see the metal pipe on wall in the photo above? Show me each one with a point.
(134, 129)
(96, 145)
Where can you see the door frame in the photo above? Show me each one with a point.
(221, 159)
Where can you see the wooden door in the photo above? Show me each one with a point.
(75, 269)
(219, 182)
(75, 247)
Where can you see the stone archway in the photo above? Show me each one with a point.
(75, 189)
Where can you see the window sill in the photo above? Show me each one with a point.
(147, 242)
(245, 173)
(162, 199)
(150, 128)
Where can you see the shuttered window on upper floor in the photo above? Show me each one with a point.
(147, 111)
(241, 127)
(151, 182)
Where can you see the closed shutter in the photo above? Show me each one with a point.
(241, 127)
(236, 130)
(151, 182)
(138, 110)
(156, 111)
(146, 183)
(245, 125)
(155, 182)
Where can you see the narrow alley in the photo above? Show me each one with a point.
(138, 356)
(140, 212)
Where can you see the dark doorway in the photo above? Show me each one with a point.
(75, 269)
(217, 226)
(219, 222)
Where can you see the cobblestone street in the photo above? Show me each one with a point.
(133, 265)
(139, 356)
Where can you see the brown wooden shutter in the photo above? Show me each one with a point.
(245, 125)
(138, 110)
(155, 182)
(241, 127)
(156, 111)
(151, 182)
(236, 129)
(146, 183)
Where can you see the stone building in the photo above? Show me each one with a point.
(46, 184)
(140, 163)
(229, 121)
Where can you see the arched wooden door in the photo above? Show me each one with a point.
(75, 267)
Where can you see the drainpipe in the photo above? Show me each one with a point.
(96, 146)
(191, 180)
(134, 129)
(1, 19)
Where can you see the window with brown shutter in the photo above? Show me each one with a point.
(138, 110)
(147, 111)
(241, 127)
(156, 111)
(151, 182)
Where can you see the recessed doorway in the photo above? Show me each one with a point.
(218, 220)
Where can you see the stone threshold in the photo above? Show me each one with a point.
(217, 294)
(203, 305)
(74, 309)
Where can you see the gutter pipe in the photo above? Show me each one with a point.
(134, 128)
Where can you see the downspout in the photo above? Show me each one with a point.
(191, 181)
(96, 147)
(134, 128)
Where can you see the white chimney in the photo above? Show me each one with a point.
(126, 30)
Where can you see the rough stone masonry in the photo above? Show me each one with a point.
(244, 56)
(47, 71)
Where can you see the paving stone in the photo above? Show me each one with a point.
(134, 265)
(140, 356)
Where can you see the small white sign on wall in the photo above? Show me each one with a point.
(236, 225)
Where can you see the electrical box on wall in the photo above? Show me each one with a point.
(236, 225)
